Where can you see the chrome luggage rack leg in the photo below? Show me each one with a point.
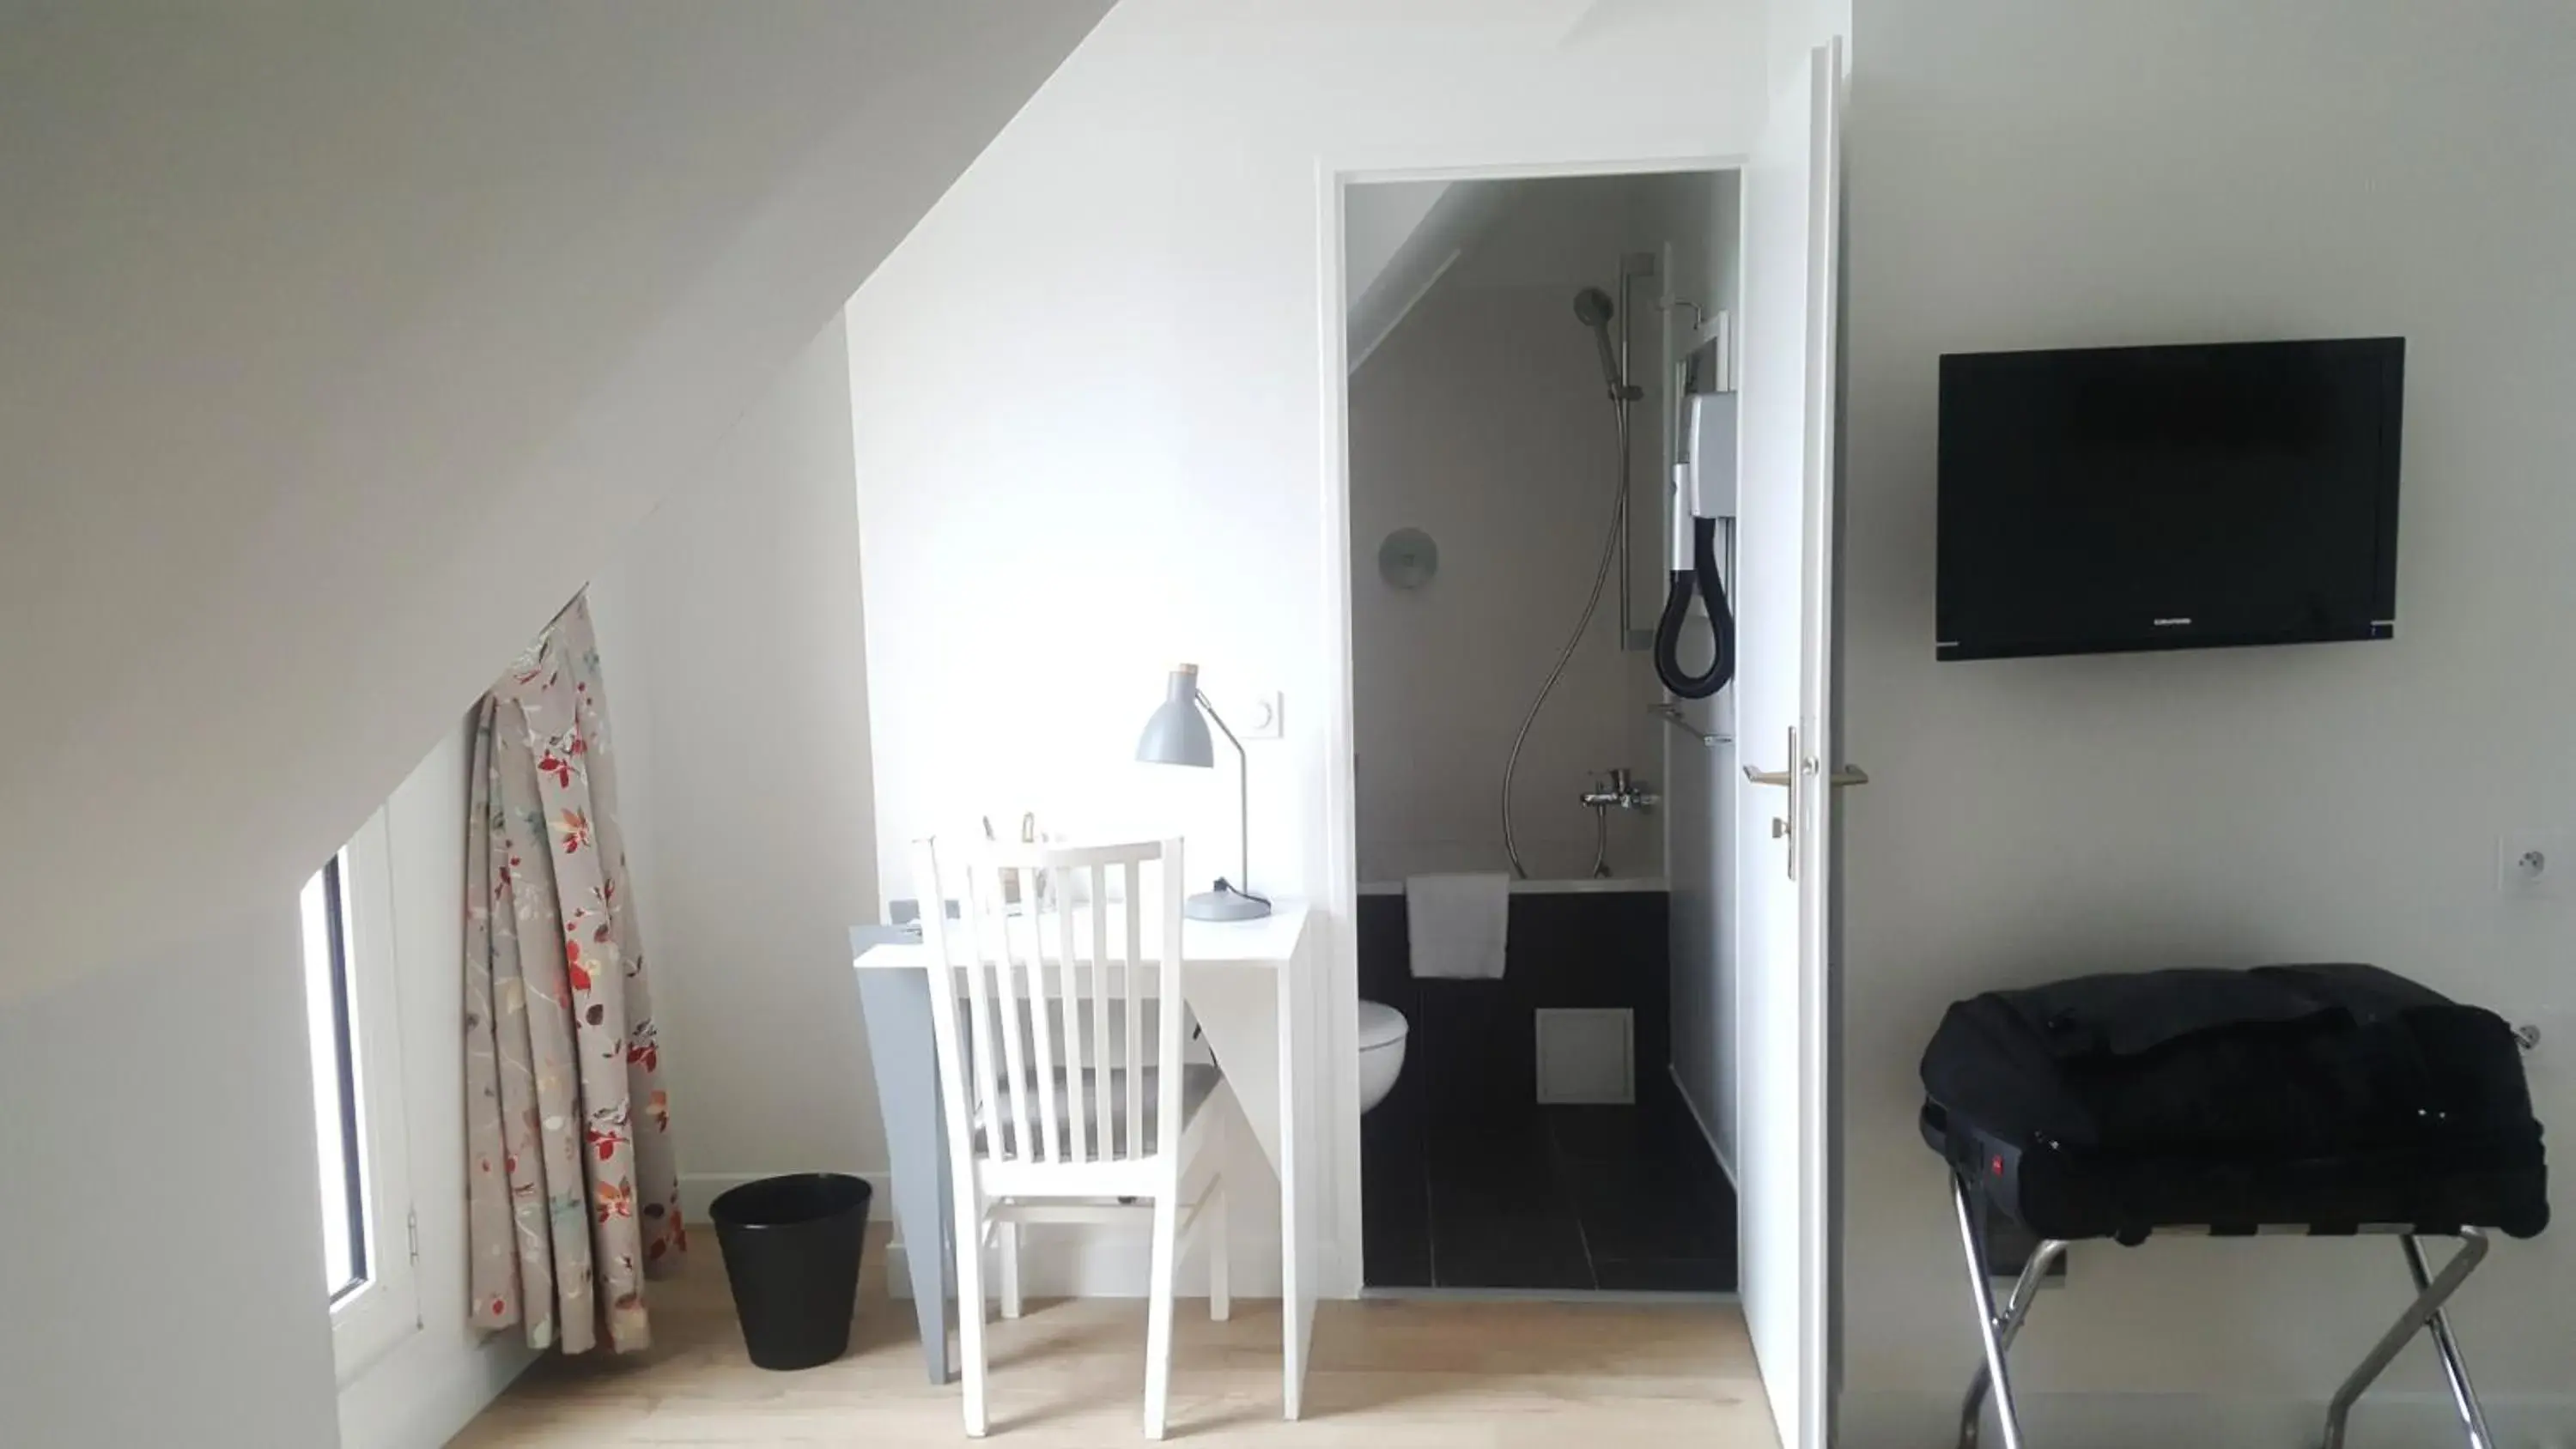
(2425, 1314)
(1998, 1327)
(1996, 1330)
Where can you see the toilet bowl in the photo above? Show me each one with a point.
(1382, 1032)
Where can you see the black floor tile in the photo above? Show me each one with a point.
(1667, 1275)
(1484, 1240)
(1640, 1211)
(1490, 1150)
(1598, 1134)
(1484, 1189)
(1500, 1216)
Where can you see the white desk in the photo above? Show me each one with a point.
(1255, 989)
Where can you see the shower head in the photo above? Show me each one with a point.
(1592, 308)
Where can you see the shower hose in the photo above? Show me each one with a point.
(1565, 656)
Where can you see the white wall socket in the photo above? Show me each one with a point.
(2535, 865)
(1254, 715)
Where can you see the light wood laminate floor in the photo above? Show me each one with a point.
(1386, 1375)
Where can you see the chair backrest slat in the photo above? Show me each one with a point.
(1103, 1100)
(1170, 1011)
(1031, 968)
(1022, 1049)
(1014, 1084)
(1067, 1004)
(1129, 976)
(985, 1062)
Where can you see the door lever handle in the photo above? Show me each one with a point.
(1800, 767)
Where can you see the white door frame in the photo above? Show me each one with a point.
(1790, 435)
(1341, 1269)
(1818, 716)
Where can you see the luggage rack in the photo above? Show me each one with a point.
(1997, 1327)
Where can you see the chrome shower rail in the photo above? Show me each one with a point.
(1998, 1327)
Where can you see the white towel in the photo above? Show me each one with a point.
(1457, 924)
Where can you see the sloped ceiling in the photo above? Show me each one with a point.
(1400, 238)
(1378, 219)
(340, 342)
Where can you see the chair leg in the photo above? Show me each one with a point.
(1220, 1253)
(970, 1306)
(1010, 1254)
(1158, 1311)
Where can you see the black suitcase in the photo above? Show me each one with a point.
(2327, 1098)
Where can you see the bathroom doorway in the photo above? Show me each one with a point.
(1542, 828)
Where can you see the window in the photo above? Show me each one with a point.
(352, 1013)
(337, 1128)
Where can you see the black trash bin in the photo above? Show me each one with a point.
(791, 1251)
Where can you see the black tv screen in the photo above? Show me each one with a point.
(2121, 498)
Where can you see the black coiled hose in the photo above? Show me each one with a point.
(1668, 629)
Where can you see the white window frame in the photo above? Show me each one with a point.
(383, 1311)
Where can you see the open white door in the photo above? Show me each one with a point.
(1792, 191)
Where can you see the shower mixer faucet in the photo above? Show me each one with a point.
(1621, 790)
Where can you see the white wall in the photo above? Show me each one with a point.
(341, 342)
(2031, 176)
(1698, 214)
(1134, 424)
(731, 629)
(731, 634)
(1112, 461)
(1481, 420)
(161, 1272)
(422, 1392)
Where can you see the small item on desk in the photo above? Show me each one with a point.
(1029, 835)
(1458, 925)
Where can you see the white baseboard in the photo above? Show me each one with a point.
(1924, 1420)
(425, 1392)
(698, 1189)
(1724, 1163)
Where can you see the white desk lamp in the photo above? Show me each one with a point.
(1178, 735)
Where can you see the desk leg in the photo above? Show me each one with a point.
(897, 1007)
(1254, 1025)
(1298, 1163)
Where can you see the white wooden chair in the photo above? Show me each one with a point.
(1049, 1118)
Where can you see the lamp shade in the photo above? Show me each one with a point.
(1177, 734)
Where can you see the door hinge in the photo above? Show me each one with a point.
(411, 1230)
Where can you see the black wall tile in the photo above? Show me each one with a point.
(1476, 1042)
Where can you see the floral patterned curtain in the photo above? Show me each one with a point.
(572, 1197)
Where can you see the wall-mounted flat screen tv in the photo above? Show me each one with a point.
(2121, 498)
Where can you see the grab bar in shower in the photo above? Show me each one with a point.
(1671, 714)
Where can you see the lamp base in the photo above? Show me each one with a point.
(1225, 903)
